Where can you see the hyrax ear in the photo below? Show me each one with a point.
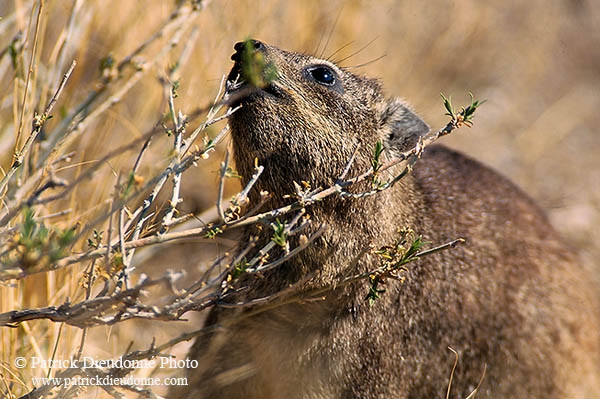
(400, 127)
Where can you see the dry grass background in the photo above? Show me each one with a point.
(536, 62)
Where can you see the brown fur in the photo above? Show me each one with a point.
(513, 297)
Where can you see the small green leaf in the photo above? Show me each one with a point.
(448, 105)
(376, 162)
(175, 88)
(213, 232)
(470, 110)
(96, 240)
(107, 62)
(28, 226)
(239, 268)
(279, 234)
(256, 71)
(232, 173)
(374, 291)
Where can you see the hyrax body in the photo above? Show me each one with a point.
(512, 298)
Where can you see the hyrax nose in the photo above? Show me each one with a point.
(250, 45)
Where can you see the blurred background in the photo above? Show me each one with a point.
(537, 63)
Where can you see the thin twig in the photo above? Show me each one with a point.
(242, 197)
(92, 312)
(264, 251)
(37, 128)
(122, 247)
(292, 253)
(138, 160)
(56, 214)
(349, 164)
(110, 224)
(35, 201)
(224, 167)
(179, 130)
(452, 372)
(474, 392)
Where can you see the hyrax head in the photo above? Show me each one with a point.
(303, 117)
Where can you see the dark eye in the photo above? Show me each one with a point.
(323, 75)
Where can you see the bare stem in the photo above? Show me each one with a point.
(224, 166)
(37, 128)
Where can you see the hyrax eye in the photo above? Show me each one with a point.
(323, 75)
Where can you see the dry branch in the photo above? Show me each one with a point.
(39, 121)
(409, 158)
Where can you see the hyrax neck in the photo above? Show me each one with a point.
(333, 256)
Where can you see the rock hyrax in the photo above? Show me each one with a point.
(512, 298)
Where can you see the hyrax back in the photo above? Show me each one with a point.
(512, 299)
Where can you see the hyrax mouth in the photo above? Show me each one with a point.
(252, 75)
